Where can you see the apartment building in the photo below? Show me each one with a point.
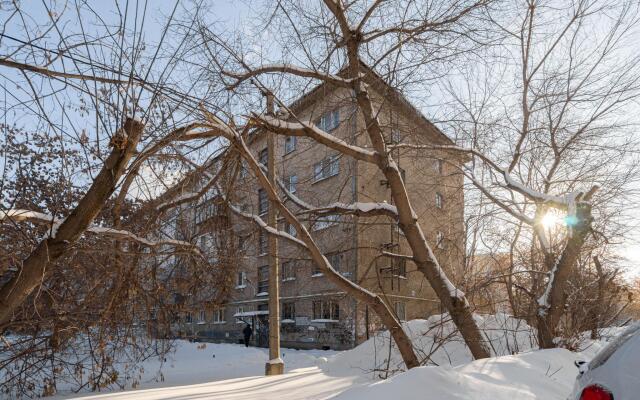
(314, 312)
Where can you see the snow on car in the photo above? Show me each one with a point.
(614, 373)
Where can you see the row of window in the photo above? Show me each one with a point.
(322, 310)
(288, 273)
(218, 317)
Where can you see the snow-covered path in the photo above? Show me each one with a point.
(305, 383)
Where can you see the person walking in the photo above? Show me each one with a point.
(247, 332)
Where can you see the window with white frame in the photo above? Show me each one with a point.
(218, 316)
(263, 280)
(263, 202)
(326, 221)
(241, 280)
(288, 271)
(289, 311)
(263, 156)
(316, 271)
(438, 166)
(328, 167)
(439, 200)
(202, 317)
(263, 243)
(329, 120)
(401, 310)
(440, 240)
(239, 310)
(290, 144)
(326, 310)
(292, 183)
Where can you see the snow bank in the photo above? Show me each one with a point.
(544, 374)
(450, 373)
(436, 342)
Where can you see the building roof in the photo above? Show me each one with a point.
(381, 86)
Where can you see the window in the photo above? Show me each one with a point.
(203, 242)
(438, 166)
(401, 310)
(325, 222)
(263, 156)
(329, 120)
(263, 243)
(288, 271)
(326, 310)
(328, 167)
(400, 267)
(440, 240)
(335, 260)
(263, 279)
(395, 136)
(218, 316)
(239, 310)
(242, 241)
(202, 317)
(439, 200)
(289, 311)
(241, 280)
(316, 271)
(292, 183)
(263, 202)
(188, 318)
(290, 229)
(289, 144)
(205, 211)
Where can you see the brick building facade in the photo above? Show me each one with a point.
(314, 312)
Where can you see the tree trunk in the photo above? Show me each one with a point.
(551, 305)
(451, 298)
(35, 266)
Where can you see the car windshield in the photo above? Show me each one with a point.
(614, 345)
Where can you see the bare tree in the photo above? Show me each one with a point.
(350, 37)
(555, 151)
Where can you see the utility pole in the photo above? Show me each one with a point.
(275, 365)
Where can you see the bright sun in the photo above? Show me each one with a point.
(550, 220)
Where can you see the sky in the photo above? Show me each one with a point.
(234, 14)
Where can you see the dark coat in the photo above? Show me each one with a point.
(247, 331)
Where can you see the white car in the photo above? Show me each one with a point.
(614, 373)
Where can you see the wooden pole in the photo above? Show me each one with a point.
(275, 365)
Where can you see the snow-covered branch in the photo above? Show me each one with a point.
(290, 128)
(565, 201)
(263, 225)
(54, 223)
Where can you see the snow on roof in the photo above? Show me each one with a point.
(251, 313)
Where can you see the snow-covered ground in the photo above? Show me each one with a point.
(227, 371)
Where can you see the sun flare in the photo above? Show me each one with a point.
(550, 220)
